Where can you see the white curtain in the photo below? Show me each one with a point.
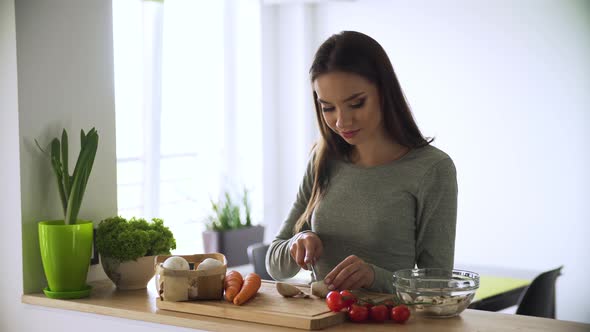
(189, 110)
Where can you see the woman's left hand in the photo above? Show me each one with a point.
(351, 273)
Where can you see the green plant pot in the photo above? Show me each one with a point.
(66, 251)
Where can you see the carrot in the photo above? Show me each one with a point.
(232, 284)
(251, 286)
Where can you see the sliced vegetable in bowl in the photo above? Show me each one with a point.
(436, 292)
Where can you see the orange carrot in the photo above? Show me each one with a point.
(251, 286)
(232, 284)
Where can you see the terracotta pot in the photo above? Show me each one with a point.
(129, 274)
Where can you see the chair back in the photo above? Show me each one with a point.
(539, 298)
(257, 257)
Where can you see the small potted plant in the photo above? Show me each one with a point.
(66, 244)
(227, 234)
(128, 248)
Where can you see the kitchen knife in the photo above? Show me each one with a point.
(314, 275)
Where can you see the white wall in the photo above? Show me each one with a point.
(504, 86)
(65, 79)
(10, 214)
(289, 128)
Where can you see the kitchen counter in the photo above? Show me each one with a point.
(141, 305)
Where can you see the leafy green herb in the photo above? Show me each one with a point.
(125, 240)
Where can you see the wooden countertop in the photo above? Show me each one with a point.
(141, 305)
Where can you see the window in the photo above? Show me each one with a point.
(188, 109)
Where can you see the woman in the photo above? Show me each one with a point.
(376, 196)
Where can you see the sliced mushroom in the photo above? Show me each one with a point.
(288, 290)
(319, 289)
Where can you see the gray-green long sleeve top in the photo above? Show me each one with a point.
(393, 216)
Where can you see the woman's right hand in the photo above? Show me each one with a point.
(306, 249)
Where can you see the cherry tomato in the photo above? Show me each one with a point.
(358, 313)
(334, 301)
(389, 303)
(348, 298)
(379, 313)
(400, 314)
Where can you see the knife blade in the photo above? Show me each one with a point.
(314, 275)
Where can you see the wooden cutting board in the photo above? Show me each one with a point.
(268, 307)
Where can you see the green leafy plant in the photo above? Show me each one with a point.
(227, 214)
(125, 240)
(72, 187)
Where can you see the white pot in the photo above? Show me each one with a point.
(129, 274)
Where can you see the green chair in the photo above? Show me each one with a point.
(539, 298)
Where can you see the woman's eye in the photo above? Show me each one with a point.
(327, 109)
(358, 104)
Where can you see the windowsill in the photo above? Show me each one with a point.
(105, 299)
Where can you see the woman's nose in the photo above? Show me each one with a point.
(343, 120)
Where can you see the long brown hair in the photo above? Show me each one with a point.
(357, 53)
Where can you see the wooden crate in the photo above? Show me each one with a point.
(174, 285)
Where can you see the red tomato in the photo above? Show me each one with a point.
(379, 313)
(358, 313)
(400, 314)
(334, 301)
(389, 303)
(348, 298)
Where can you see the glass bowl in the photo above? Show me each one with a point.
(436, 292)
